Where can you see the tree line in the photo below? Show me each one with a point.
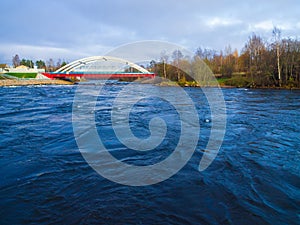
(50, 65)
(260, 63)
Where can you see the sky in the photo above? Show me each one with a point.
(72, 29)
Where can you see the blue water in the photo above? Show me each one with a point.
(255, 178)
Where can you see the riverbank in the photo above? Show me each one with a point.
(234, 82)
(156, 81)
(12, 82)
(159, 81)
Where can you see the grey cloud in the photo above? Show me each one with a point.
(78, 25)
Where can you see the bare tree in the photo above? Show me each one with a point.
(164, 58)
(254, 49)
(177, 56)
(16, 60)
(50, 65)
(58, 64)
(277, 36)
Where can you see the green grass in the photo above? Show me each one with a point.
(238, 81)
(222, 81)
(23, 75)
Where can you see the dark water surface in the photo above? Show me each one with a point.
(255, 178)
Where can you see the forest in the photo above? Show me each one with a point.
(259, 64)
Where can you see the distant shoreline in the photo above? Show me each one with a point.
(11, 82)
(29, 82)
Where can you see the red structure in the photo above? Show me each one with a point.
(55, 75)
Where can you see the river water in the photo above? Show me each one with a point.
(255, 178)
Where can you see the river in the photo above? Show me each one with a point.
(255, 178)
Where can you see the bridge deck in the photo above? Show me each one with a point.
(54, 75)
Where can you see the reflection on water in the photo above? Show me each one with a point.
(254, 179)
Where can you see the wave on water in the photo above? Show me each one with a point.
(253, 180)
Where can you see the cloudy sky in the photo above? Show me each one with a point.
(69, 29)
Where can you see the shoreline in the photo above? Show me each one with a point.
(18, 82)
(11, 82)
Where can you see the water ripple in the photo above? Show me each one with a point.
(254, 179)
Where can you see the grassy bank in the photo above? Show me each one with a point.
(237, 81)
(22, 75)
(234, 82)
(244, 82)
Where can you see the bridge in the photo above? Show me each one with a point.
(100, 67)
